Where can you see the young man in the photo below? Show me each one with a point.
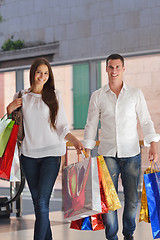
(118, 105)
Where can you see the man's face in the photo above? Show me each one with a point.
(115, 70)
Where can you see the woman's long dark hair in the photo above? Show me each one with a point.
(48, 93)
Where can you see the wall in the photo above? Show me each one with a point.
(7, 90)
(2, 94)
(84, 28)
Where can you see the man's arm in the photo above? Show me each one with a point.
(153, 155)
(91, 124)
(150, 136)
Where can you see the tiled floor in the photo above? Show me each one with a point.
(22, 228)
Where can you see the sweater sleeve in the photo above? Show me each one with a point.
(62, 125)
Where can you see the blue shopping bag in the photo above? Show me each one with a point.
(152, 185)
(86, 225)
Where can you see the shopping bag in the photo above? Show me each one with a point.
(82, 224)
(110, 194)
(152, 185)
(15, 175)
(93, 223)
(4, 137)
(3, 123)
(109, 199)
(144, 213)
(7, 158)
(104, 203)
(97, 222)
(86, 224)
(81, 190)
(76, 224)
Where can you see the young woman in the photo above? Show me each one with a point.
(46, 132)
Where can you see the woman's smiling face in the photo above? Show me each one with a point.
(41, 75)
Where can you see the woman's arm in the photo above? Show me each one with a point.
(76, 143)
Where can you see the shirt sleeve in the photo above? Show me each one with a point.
(62, 125)
(92, 123)
(145, 121)
(22, 91)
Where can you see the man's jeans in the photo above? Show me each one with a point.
(129, 168)
(41, 174)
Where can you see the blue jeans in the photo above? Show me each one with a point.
(129, 169)
(41, 174)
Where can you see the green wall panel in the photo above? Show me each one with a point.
(80, 94)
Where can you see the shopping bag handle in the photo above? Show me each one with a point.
(154, 167)
(5, 116)
(155, 170)
(84, 155)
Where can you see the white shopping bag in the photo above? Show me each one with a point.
(3, 124)
(15, 175)
(81, 190)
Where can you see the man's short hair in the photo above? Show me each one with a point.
(113, 57)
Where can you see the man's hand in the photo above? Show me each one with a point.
(153, 155)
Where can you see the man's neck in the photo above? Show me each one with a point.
(116, 87)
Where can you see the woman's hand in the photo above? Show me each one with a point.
(76, 143)
(14, 105)
(78, 146)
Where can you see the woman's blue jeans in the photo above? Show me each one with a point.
(129, 169)
(41, 174)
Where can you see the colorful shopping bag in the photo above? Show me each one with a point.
(97, 222)
(144, 213)
(4, 137)
(93, 223)
(7, 158)
(152, 185)
(109, 199)
(110, 194)
(81, 190)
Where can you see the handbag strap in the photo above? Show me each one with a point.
(19, 94)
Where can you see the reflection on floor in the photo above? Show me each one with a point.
(22, 228)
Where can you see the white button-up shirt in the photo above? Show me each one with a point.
(118, 118)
